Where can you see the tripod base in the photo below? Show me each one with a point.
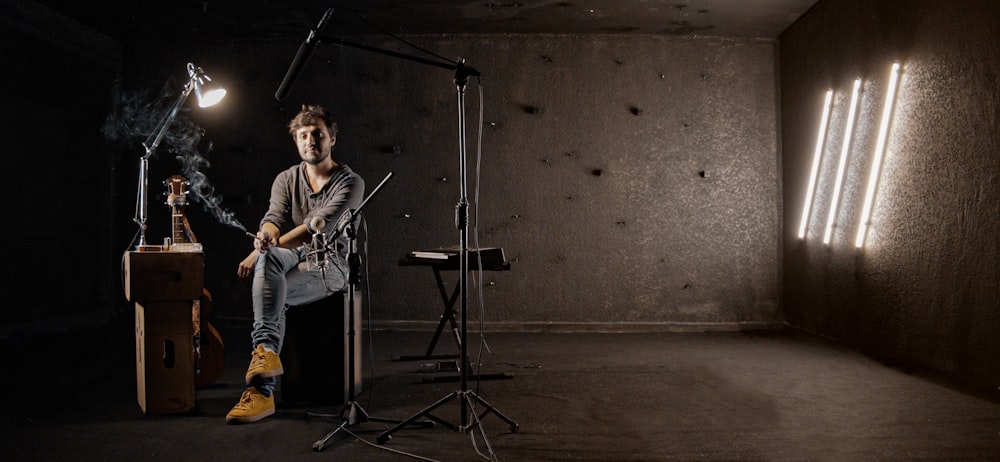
(352, 414)
(471, 399)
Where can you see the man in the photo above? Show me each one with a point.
(316, 187)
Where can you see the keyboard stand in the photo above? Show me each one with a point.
(448, 315)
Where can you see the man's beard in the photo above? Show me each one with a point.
(318, 158)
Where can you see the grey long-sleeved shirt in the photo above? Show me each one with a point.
(293, 202)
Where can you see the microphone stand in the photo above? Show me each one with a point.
(352, 413)
(468, 398)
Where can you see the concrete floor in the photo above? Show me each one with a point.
(572, 396)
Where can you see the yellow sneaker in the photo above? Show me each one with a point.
(252, 407)
(263, 364)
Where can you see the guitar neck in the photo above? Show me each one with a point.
(179, 231)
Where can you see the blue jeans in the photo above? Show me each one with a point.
(282, 279)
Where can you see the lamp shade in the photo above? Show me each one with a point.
(210, 96)
(206, 96)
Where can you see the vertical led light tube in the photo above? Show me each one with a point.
(842, 164)
(873, 175)
(817, 155)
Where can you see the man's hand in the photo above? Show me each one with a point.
(265, 240)
(267, 237)
(245, 270)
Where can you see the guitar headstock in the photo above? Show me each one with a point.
(176, 191)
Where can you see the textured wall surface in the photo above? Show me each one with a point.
(924, 291)
(630, 180)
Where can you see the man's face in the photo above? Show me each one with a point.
(314, 143)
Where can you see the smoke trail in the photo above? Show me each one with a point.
(134, 120)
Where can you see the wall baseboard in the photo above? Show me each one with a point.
(602, 327)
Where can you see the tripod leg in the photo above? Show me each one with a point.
(426, 412)
(491, 409)
(323, 442)
(352, 414)
(479, 424)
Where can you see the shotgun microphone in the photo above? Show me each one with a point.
(302, 57)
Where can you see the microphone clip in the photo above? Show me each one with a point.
(316, 255)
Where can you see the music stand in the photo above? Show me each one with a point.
(467, 397)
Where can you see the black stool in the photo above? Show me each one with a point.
(315, 353)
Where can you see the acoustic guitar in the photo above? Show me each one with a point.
(209, 354)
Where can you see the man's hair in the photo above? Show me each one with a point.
(312, 115)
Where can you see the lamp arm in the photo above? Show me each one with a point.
(151, 143)
(156, 137)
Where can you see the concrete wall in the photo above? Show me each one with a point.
(924, 291)
(631, 180)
